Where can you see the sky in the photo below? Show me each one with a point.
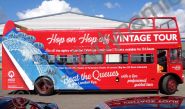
(122, 10)
(113, 9)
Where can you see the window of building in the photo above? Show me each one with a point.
(92, 59)
(116, 58)
(142, 58)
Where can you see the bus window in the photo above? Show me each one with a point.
(175, 55)
(183, 53)
(61, 59)
(92, 59)
(142, 58)
(38, 45)
(72, 59)
(64, 59)
(44, 56)
(162, 59)
(51, 59)
(125, 58)
(140, 24)
(172, 24)
(165, 24)
(40, 59)
(116, 58)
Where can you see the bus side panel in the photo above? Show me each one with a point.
(11, 79)
(114, 77)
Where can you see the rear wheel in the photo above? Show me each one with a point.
(169, 85)
(44, 86)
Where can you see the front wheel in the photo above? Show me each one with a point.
(44, 86)
(169, 85)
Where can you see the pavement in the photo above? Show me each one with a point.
(84, 100)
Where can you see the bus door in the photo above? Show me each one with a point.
(162, 60)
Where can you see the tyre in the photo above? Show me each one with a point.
(44, 86)
(168, 85)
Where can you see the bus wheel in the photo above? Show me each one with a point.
(44, 86)
(169, 85)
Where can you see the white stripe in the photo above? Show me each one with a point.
(146, 32)
(24, 76)
(147, 43)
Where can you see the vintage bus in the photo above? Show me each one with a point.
(145, 55)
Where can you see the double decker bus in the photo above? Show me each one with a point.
(146, 55)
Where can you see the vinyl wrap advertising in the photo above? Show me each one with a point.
(86, 59)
